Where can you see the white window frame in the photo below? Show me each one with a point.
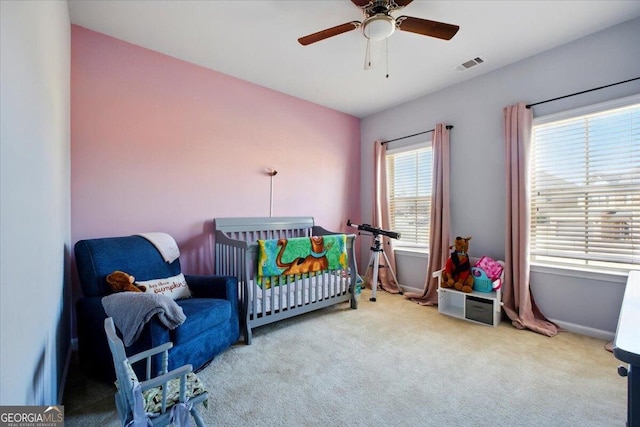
(537, 256)
(401, 244)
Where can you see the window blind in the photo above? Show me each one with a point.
(409, 190)
(585, 189)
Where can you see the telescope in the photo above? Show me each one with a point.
(374, 230)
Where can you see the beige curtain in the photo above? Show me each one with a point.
(518, 300)
(381, 217)
(440, 221)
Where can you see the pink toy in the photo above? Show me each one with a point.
(492, 268)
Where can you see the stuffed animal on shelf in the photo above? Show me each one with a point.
(457, 270)
(119, 281)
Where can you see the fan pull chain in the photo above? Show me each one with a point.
(387, 54)
(368, 55)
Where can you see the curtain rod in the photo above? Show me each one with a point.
(415, 134)
(584, 91)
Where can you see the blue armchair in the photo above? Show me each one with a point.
(212, 322)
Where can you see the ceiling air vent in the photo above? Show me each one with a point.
(470, 63)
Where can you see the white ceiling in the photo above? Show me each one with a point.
(257, 41)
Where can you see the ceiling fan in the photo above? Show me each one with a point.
(378, 23)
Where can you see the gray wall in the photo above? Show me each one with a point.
(411, 269)
(589, 305)
(34, 201)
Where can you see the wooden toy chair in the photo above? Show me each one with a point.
(167, 398)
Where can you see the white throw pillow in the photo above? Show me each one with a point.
(173, 287)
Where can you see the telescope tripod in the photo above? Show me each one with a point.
(375, 260)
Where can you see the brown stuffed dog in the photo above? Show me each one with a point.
(119, 281)
(457, 271)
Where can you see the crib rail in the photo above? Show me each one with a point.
(250, 229)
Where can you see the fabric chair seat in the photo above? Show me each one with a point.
(153, 396)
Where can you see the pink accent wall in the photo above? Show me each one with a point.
(159, 144)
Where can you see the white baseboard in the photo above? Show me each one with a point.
(567, 326)
(585, 330)
(409, 289)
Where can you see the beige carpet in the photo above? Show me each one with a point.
(395, 363)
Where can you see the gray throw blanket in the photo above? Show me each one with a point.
(132, 310)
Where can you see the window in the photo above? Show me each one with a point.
(585, 187)
(409, 189)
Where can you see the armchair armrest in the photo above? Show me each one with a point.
(222, 287)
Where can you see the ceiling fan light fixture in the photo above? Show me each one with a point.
(378, 27)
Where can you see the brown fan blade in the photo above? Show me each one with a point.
(403, 3)
(329, 32)
(425, 27)
(360, 3)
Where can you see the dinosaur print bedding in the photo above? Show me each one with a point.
(300, 256)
